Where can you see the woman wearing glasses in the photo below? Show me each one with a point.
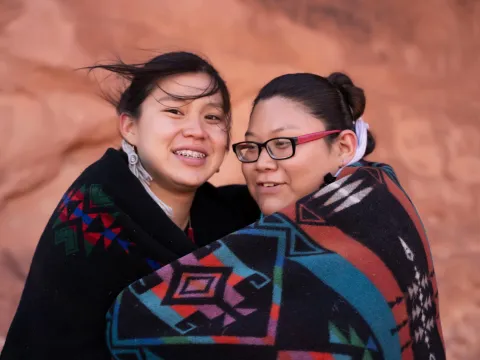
(338, 266)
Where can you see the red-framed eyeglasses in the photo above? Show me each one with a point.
(279, 148)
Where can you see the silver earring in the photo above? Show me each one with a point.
(132, 159)
(131, 153)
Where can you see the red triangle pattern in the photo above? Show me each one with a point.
(64, 214)
(312, 217)
(107, 243)
(92, 238)
(375, 173)
(107, 219)
(77, 196)
(116, 230)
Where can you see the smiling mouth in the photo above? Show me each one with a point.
(190, 154)
(268, 184)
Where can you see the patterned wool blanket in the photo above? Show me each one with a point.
(105, 233)
(345, 273)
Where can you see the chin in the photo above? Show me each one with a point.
(189, 181)
(269, 209)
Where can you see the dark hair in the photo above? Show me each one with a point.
(143, 79)
(335, 100)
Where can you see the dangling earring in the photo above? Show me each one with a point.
(137, 169)
(131, 153)
(134, 163)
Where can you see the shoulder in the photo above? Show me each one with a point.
(234, 196)
(369, 167)
(113, 163)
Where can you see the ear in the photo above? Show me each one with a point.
(347, 145)
(128, 128)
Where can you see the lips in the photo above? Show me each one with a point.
(269, 187)
(191, 152)
(268, 184)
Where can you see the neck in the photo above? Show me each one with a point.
(180, 203)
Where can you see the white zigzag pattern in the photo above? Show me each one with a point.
(419, 294)
(430, 324)
(416, 312)
(419, 334)
(343, 192)
(428, 303)
(413, 290)
(346, 193)
(353, 199)
(331, 187)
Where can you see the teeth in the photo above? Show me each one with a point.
(190, 153)
(269, 184)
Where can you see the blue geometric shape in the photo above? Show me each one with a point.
(124, 244)
(228, 258)
(341, 357)
(172, 318)
(151, 356)
(371, 345)
(354, 286)
(153, 264)
(117, 353)
(335, 335)
(154, 303)
(334, 339)
(301, 246)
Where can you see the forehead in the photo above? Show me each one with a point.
(277, 114)
(188, 85)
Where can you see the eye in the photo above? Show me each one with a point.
(213, 117)
(249, 147)
(247, 150)
(282, 143)
(173, 111)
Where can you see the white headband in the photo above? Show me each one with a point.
(361, 130)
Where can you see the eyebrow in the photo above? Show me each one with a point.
(277, 130)
(168, 97)
(172, 98)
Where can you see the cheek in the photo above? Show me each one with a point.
(248, 171)
(306, 172)
(157, 130)
(219, 139)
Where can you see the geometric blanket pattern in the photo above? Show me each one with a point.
(345, 273)
(85, 218)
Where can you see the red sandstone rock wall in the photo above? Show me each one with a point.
(417, 60)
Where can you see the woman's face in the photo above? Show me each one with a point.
(181, 143)
(274, 184)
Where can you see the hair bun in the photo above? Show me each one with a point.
(353, 95)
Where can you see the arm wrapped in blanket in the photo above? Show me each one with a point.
(345, 273)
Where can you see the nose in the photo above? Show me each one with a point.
(194, 127)
(265, 162)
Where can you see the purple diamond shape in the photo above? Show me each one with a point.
(197, 285)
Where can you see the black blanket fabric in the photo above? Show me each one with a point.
(343, 274)
(105, 233)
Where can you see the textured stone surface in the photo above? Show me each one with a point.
(419, 68)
